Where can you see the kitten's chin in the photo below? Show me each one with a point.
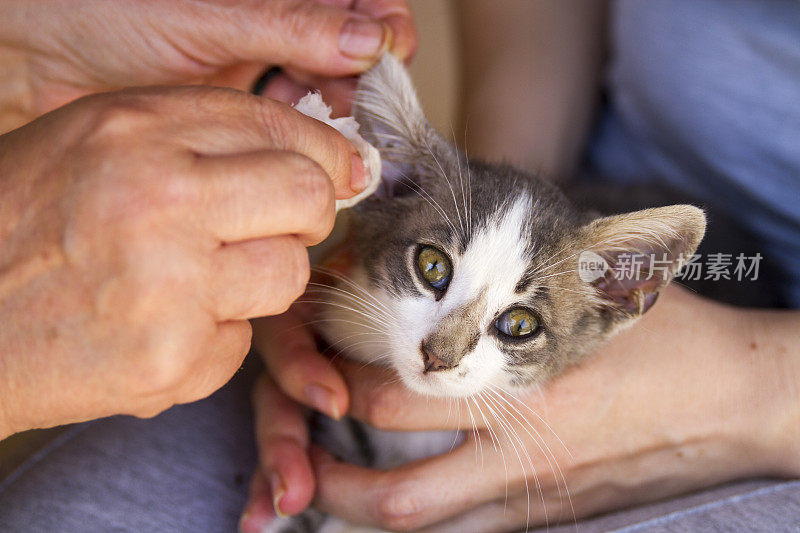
(436, 384)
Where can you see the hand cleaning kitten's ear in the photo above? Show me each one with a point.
(467, 276)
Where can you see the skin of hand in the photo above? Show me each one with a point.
(139, 230)
(55, 51)
(695, 394)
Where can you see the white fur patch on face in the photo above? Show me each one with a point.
(487, 272)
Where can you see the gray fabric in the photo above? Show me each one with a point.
(746, 506)
(704, 97)
(186, 470)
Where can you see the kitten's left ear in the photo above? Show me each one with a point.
(642, 252)
(391, 119)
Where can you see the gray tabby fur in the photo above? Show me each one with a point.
(514, 240)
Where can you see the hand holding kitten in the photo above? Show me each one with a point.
(627, 418)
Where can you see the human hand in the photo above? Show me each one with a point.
(139, 231)
(296, 375)
(64, 50)
(677, 403)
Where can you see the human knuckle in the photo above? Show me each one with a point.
(299, 272)
(119, 117)
(163, 370)
(399, 506)
(150, 410)
(341, 152)
(315, 192)
(277, 123)
(381, 408)
(296, 18)
(242, 339)
(313, 186)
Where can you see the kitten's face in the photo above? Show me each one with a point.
(474, 267)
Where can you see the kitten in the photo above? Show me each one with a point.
(465, 276)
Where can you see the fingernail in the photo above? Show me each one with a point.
(278, 492)
(364, 38)
(358, 174)
(323, 399)
(253, 523)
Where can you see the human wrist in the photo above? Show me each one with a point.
(769, 370)
(742, 387)
(770, 341)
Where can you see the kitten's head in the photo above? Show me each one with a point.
(488, 276)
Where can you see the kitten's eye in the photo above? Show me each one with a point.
(434, 267)
(517, 322)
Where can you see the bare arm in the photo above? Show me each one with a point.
(531, 73)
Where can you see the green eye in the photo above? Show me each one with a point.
(434, 267)
(518, 322)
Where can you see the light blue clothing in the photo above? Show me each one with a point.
(704, 96)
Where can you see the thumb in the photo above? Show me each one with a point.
(304, 34)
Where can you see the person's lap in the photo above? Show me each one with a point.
(188, 470)
(753, 506)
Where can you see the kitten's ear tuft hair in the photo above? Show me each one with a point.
(391, 119)
(386, 105)
(643, 251)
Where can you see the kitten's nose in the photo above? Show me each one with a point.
(433, 363)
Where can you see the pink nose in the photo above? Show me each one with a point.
(432, 362)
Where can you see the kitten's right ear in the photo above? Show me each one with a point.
(390, 117)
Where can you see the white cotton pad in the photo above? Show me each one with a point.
(313, 106)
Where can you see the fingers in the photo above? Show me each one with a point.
(215, 121)
(301, 372)
(257, 278)
(378, 399)
(414, 495)
(239, 76)
(262, 194)
(284, 89)
(346, 41)
(282, 440)
(397, 14)
(259, 511)
(506, 514)
(192, 379)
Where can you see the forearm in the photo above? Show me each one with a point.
(746, 366)
(531, 79)
(773, 353)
